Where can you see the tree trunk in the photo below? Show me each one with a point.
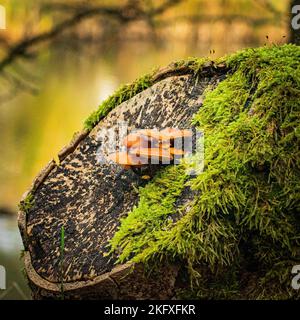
(89, 199)
(295, 22)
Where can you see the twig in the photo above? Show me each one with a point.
(20, 291)
(202, 18)
(124, 14)
(14, 286)
(19, 83)
(20, 48)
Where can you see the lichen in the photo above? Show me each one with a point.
(245, 215)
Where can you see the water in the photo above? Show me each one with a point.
(10, 250)
(33, 128)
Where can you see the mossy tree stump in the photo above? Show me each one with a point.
(233, 230)
(89, 199)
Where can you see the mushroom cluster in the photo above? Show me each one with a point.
(146, 147)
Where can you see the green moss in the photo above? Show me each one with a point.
(146, 222)
(246, 212)
(192, 63)
(27, 203)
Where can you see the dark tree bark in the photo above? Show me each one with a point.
(294, 32)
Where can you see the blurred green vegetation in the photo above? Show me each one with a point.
(26, 17)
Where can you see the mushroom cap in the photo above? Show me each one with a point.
(149, 137)
(145, 144)
(162, 154)
(125, 159)
(172, 133)
(176, 152)
(135, 138)
(152, 144)
(142, 138)
(153, 133)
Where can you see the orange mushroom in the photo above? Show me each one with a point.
(145, 145)
(172, 133)
(160, 154)
(127, 160)
(153, 133)
(176, 152)
(133, 139)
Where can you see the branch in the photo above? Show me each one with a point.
(19, 83)
(164, 7)
(20, 48)
(209, 18)
(129, 12)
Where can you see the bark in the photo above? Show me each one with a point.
(89, 199)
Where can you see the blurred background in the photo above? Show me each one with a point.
(60, 59)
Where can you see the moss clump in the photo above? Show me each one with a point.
(127, 91)
(26, 204)
(146, 222)
(194, 64)
(245, 216)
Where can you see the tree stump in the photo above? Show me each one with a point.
(89, 199)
